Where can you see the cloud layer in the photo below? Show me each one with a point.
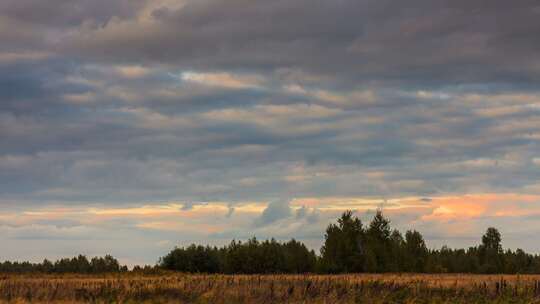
(128, 104)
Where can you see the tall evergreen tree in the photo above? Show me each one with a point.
(491, 252)
(342, 250)
(378, 240)
(416, 252)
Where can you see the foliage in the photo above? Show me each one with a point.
(252, 256)
(78, 264)
(343, 250)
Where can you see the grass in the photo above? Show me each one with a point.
(184, 288)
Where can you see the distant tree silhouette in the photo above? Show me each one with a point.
(192, 259)
(298, 259)
(342, 250)
(491, 240)
(416, 252)
(348, 247)
(379, 242)
(249, 257)
(78, 264)
(491, 252)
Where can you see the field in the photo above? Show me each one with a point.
(180, 288)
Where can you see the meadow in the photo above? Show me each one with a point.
(169, 287)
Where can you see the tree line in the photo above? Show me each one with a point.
(78, 264)
(247, 257)
(349, 247)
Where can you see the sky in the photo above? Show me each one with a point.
(132, 126)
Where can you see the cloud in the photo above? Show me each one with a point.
(225, 80)
(61, 13)
(12, 58)
(82, 98)
(349, 99)
(276, 210)
(437, 42)
(132, 72)
(133, 104)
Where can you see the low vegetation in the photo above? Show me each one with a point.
(192, 288)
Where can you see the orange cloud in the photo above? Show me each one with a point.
(477, 205)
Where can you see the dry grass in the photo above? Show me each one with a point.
(180, 288)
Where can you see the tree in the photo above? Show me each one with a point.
(192, 259)
(378, 240)
(491, 253)
(298, 259)
(491, 240)
(416, 252)
(104, 264)
(397, 252)
(46, 267)
(342, 250)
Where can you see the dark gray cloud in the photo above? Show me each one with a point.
(419, 43)
(64, 13)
